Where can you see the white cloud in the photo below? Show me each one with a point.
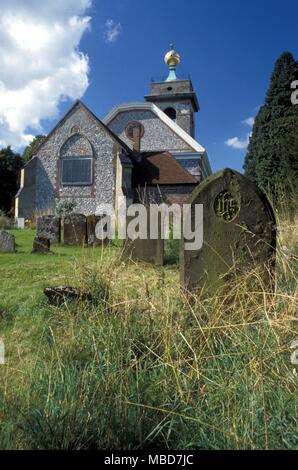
(40, 63)
(241, 143)
(237, 143)
(249, 121)
(112, 31)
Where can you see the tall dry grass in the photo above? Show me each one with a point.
(145, 365)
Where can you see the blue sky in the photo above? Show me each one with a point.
(228, 47)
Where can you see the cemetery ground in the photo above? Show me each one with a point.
(144, 365)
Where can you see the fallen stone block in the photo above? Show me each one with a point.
(58, 295)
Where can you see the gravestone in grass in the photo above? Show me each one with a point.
(49, 226)
(7, 242)
(41, 245)
(20, 223)
(239, 233)
(92, 239)
(145, 248)
(75, 230)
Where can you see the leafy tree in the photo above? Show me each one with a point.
(10, 166)
(272, 157)
(32, 147)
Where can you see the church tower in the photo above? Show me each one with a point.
(174, 96)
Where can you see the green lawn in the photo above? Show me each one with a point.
(24, 274)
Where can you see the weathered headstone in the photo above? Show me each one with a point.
(92, 220)
(41, 245)
(239, 233)
(21, 222)
(147, 250)
(7, 242)
(49, 226)
(75, 230)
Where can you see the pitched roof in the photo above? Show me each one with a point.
(155, 168)
(79, 103)
(162, 116)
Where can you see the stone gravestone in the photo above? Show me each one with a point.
(49, 226)
(149, 250)
(75, 230)
(21, 223)
(7, 242)
(239, 233)
(41, 245)
(92, 220)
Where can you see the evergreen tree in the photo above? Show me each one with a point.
(32, 147)
(10, 166)
(272, 158)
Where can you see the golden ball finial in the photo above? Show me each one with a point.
(172, 58)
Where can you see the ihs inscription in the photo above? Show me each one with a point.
(226, 207)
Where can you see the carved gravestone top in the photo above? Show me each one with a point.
(7, 242)
(49, 226)
(239, 232)
(75, 230)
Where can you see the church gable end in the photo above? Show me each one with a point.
(156, 134)
(76, 162)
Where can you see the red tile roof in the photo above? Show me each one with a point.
(159, 168)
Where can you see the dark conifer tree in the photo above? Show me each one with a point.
(272, 158)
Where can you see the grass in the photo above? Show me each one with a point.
(144, 365)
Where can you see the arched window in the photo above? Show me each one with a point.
(76, 158)
(171, 112)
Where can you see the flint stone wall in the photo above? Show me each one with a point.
(157, 135)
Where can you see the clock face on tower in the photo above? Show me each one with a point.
(134, 128)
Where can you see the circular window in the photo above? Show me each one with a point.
(134, 129)
(226, 207)
(170, 88)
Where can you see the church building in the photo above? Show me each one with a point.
(139, 150)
